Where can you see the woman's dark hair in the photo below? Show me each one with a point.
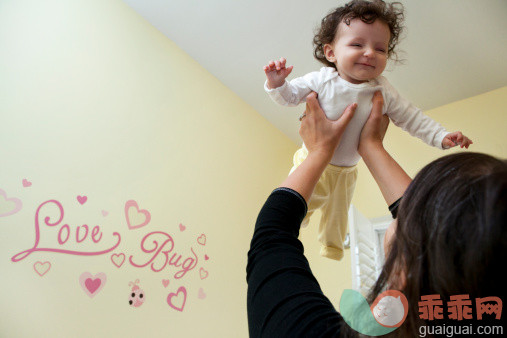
(451, 236)
(368, 12)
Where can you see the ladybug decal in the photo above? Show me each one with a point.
(136, 297)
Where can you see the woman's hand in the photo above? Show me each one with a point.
(375, 127)
(321, 135)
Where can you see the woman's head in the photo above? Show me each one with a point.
(451, 236)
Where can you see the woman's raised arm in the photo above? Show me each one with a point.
(390, 177)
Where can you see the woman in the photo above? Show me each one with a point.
(450, 238)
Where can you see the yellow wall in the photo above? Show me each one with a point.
(483, 118)
(95, 101)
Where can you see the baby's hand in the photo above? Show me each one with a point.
(454, 139)
(276, 73)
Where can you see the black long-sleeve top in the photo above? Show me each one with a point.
(284, 299)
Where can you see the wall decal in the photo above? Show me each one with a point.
(92, 285)
(41, 267)
(177, 300)
(26, 183)
(64, 235)
(136, 218)
(82, 199)
(203, 273)
(118, 259)
(202, 239)
(9, 205)
(137, 295)
(156, 250)
(159, 259)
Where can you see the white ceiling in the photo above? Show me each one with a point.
(453, 49)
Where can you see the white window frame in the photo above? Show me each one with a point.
(366, 248)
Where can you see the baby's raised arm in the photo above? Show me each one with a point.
(276, 73)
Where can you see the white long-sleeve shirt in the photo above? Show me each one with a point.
(335, 94)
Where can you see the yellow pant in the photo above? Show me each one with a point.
(332, 195)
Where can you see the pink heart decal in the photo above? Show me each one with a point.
(201, 294)
(92, 285)
(203, 273)
(82, 199)
(131, 223)
(41, 268)
(9, 206)
(105, 213)
(202, 239)
(26, 183)
(177, 300)
(118, 259)
(206, 257)
(182, 227)
(165, 282)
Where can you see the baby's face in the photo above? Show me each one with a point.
(359, 50)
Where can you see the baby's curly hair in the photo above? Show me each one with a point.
(368, 12)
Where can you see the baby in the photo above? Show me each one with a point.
(354, 42)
